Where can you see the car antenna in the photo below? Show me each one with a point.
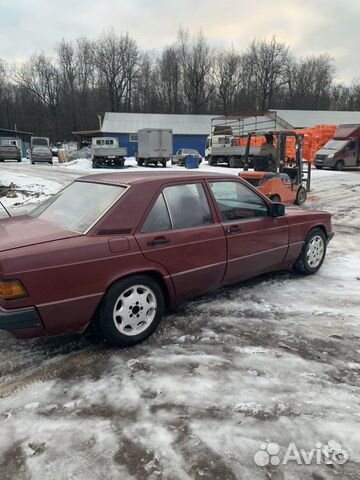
(6, 210)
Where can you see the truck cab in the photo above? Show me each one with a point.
(217, 141)
(341, 151)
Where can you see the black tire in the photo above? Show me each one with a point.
(232, 162)
(275, 198)
(111, 329)
(32, 163)
(339, 165)
(211, 161)
(120, 162)
(163, 163)
(95, 163)
(318, 167)
(301, 196)
(304, 264)
(19, 160)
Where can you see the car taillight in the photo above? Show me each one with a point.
(11, 289)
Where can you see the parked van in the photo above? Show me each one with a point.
(341, 151)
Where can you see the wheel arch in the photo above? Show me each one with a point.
(165, 283)
(320, 226)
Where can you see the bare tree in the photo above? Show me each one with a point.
(169, 73)
(227, 78)
(268, 62)
(310, 81)
(196, 60)
(116, 58)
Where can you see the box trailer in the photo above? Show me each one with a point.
(154, 146)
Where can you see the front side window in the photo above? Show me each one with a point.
(188, 205)
(79, 205)
(237, 202)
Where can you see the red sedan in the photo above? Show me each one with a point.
(118, 249)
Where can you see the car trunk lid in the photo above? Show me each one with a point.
(24, 231)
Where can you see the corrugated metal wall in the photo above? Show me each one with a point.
(179, 141)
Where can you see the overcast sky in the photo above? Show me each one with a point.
(308, 26)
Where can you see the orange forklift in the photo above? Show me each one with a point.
(287, 179)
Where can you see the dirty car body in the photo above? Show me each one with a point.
(122, 247)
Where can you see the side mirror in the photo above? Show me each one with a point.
(277, 209)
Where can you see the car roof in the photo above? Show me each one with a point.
(133, 178)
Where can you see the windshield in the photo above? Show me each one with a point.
(336, 144)
(190, 151)
(79, 206)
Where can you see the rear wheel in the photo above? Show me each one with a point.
(131, 310)
(313, 253)
(339, 166)
(163, 163)
(232, 162)
(301, 196)
(318, 167)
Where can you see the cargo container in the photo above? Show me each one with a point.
(154, 146)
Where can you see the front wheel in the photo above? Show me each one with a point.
(313, 253)
(339, 166)
(131, 310)
(301, 196)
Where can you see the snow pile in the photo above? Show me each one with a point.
(78, 164)
(30, 189)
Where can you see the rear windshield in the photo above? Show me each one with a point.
(79, 206)
(39, 141)
(37, 148)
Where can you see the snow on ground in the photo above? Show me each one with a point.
(276, 359)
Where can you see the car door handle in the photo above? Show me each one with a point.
(233, 229)
(158, 241)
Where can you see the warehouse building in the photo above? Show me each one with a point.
(191, 131)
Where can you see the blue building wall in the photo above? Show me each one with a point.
(179, 141)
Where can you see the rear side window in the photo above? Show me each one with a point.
(179, 206)
(188, 206)
(158, 219)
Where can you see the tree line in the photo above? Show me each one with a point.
(54, 95)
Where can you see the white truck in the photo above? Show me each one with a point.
(106, 152)
(154, 146)
(220, 149)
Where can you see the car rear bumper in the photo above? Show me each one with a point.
(41, 159)
(19, 319)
